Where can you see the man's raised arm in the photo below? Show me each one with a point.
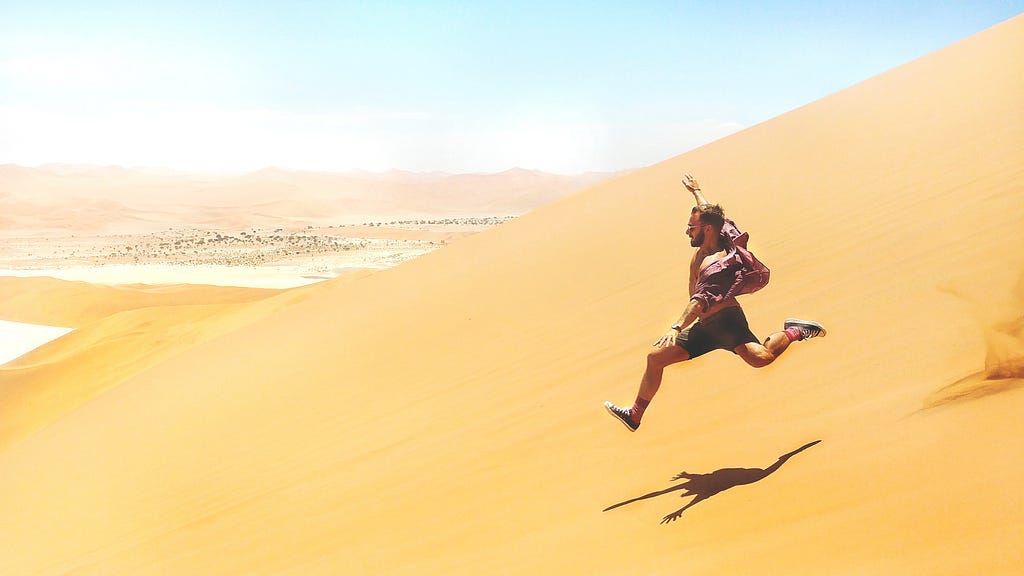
(694, 188)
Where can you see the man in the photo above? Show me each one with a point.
(722, 268)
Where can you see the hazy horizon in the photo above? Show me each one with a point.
(153, 169)
(432, 87)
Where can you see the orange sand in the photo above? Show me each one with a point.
(445, 416)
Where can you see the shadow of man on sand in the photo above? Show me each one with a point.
(704, 486)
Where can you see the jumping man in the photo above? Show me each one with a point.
(722, 268)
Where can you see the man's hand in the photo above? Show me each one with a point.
(691, 183)
(667, 340)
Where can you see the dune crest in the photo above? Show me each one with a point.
(45, 300)
(121, 332)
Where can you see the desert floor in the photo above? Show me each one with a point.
(254, 257)
(276, 258)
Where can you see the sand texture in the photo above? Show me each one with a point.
(444, 416)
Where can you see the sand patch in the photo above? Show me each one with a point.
(977, 385)
(1002, 324)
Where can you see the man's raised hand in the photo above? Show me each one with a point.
(691, 183)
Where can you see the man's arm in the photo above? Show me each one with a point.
(693, 310)
(695, 262)
(689, 315)
(691, 184)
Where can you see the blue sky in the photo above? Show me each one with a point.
(433, 85)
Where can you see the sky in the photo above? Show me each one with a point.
(442, 85)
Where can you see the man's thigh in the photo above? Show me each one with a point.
(668, 355)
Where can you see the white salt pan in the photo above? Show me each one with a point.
(17, 339)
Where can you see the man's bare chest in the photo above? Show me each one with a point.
(708, 261)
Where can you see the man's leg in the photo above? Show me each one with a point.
(657, 360)
(760, 355)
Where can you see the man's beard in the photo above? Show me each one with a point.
(697, 240)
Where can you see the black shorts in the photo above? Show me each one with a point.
(725, 329)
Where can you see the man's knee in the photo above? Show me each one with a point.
(664, 357)
(756, 356)
(655, 358)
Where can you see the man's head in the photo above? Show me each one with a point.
(702, 219)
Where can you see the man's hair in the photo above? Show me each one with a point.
(710, 214)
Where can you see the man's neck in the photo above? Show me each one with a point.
(712, 246)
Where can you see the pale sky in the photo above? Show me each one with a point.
(452, 86)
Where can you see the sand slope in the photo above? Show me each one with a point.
(444, 416)
(44, 300)
(122, 331)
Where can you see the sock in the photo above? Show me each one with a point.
(637, 411)
(793, 333)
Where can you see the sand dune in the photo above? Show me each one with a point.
(121, 331)
(445, 416)
(64, 303)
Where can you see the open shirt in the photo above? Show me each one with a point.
(738, 272)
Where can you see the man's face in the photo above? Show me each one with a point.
(695, 230)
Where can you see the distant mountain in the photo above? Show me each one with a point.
(58, 198)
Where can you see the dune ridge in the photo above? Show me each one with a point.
(45, 300)
(444, 416)
(121, 330)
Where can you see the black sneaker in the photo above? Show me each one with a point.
(622, 415)
(807, 328)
